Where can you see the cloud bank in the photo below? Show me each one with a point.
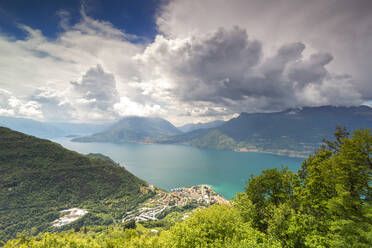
(201, 67)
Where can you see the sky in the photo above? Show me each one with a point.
(186, 61)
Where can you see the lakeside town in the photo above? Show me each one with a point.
(195, 196)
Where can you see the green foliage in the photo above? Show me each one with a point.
(327, 204)
(39, 178)
(266, 191)
(130, 224)
(217, 226)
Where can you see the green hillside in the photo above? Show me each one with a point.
(39, 178)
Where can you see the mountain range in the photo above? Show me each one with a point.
(293, 132)
(49, 129)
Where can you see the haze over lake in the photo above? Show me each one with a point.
(171, 166)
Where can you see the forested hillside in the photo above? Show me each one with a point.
(39, 178)
(325, 204)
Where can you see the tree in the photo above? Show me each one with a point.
(353, 175)
(336, 189)
(216, 226)
(267, 191)
(130, 224)
(340, 134)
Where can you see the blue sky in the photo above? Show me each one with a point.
(186, 61)
(136, 17)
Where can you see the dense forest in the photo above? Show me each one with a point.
(39, 178)
(325, 204)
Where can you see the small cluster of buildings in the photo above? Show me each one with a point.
(201, 195)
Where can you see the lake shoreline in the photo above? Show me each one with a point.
(178, 165)
(281, 152)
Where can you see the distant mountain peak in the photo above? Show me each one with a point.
(134, 129)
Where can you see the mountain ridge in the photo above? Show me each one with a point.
(292, 132)
(133, 129)
(49, 129)
(194, 126)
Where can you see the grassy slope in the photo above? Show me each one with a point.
(39, 178)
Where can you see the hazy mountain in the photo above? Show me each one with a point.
(39, 178)
(133, 129)
(191, 127)
(49, 129)
(291, 132)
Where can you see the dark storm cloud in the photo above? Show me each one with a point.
(215, 66)
(312, 70)
(226, 68)
(341, 28)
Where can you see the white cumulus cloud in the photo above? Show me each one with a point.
(12, 106)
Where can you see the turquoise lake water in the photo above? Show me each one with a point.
(171, 166)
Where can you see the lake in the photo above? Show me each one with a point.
(171, 166)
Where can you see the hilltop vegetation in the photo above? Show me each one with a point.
(39, 178)
(326, 204)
